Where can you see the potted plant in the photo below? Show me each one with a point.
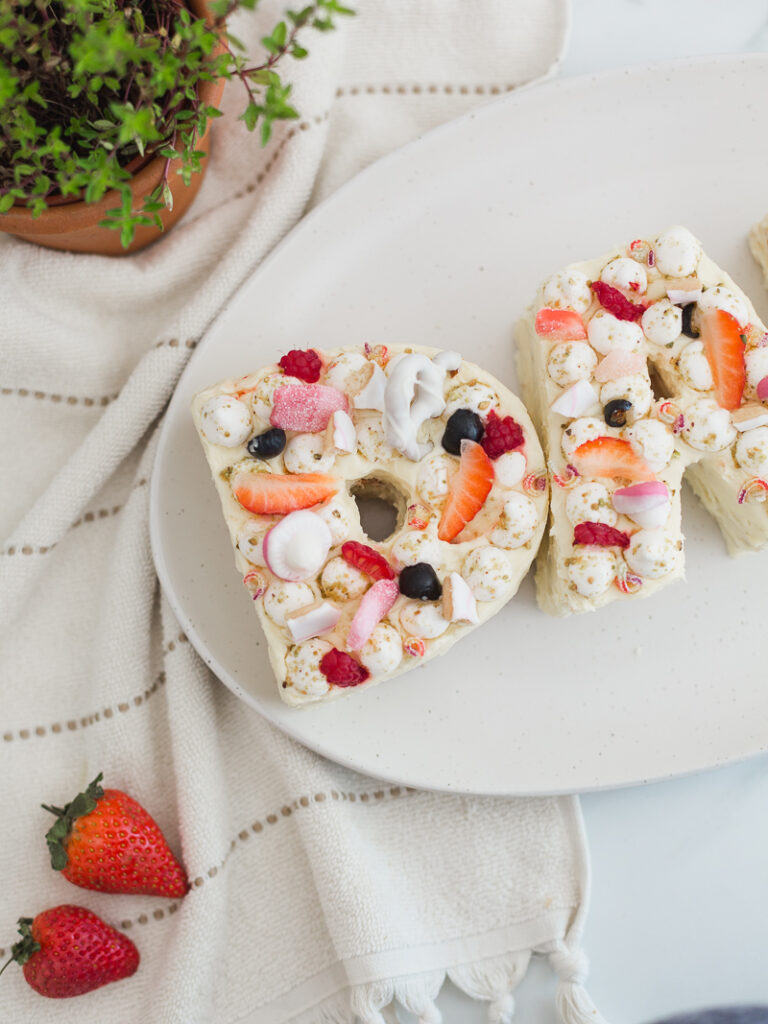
(105, 110)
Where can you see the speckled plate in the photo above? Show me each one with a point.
(443, 243)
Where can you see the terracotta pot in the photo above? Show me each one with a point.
(74, 226)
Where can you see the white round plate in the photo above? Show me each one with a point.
(443, 243)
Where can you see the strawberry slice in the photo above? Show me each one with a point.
(724, 349)
(267, 494)
(560, 324)
(468, 491)
(610, 457)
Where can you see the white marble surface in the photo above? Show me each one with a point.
(680, 869)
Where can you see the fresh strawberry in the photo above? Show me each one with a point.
(560, 324)
(610, 457)
(468, 490)
(306, 407)
(724, 349)
(67, 951)
(105, 840)
(367, 560)
(267, 494)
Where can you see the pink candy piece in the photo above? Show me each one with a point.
(619, 364)
(762, 389)
(306, 407)
(374, 606)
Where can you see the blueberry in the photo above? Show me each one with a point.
(420, 582)
(463, 423)
(267, 445)
(688, 329)
(615, 412)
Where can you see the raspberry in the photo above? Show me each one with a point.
(306, 365)
(600, 535)
(367, 560)
(501, 435)
(611, 299)
(341, 669)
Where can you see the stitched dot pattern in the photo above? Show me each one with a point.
(87, 517)
(84, 721)
(391, 792)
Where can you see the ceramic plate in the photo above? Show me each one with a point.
(443, 243)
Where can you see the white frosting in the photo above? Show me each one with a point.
(337, 519)
(581, 431)
(570, 361)
(423, 619)
(346, 371)
(518, 522)
(342, 581)
(373, 394)
(606, 332)
(297, 545)
(694, 367)
(590, 502)
(383, 651)
(636, 389)
(487, 572)
(416, 546)
(509, 469)
(282, 598)
(722, 297)
(652, 554)
(653, 442)
(372, 442)
(478, 397)
(302, 668)
(626, 274)
(305, 453)
(568, 289)
(752, 451)
(662, 322)
(756, 363)
(677, 253)
(317, 619)
(414, 394)
(434, 476)
(708, 428)
(591, 570)
(576, 400)
(225, 421)
(250, 537)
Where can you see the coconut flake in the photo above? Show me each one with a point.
(312, 620)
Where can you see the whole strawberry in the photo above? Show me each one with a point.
(105, 840)
(67, 950)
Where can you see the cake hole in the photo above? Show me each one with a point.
(381, 506)
(660, 392)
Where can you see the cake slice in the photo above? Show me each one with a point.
(639, 367)
(452, 452)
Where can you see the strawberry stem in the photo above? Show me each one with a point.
(58, 833)
(22, 950)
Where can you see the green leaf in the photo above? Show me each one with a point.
(251, 115)
(298, 52)
(6, 202)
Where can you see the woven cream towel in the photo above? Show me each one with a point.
(316, 892)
